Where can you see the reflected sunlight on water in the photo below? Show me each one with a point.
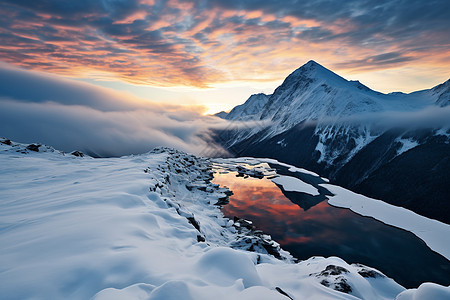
(262, 202)
(324, 230)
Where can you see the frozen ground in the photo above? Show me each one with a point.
(146, 227)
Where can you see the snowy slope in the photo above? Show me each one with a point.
(146, 227)
(250, 110)
(313, 92)
(222, 114)
(440, 94)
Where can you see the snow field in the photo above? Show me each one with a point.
(124, 228)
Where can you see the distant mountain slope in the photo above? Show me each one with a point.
(250, 110)
(313, 92)
(443, 93)
(222, 114)
(353, 135)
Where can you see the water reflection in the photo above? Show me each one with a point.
(323, 230)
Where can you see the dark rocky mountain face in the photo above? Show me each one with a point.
(417, 179)
(404, 165)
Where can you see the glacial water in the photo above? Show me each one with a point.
(308, 226)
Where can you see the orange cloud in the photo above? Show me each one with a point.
(182, 43)
(139, 15)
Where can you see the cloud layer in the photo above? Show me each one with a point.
(69, 115)
(430, 117)
(201, 43)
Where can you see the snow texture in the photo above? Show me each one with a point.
(144, 227)
(426, 290)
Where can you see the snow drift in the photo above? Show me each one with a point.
(144, 227)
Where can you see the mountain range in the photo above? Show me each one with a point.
(394, 147)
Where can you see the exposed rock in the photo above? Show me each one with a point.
(254, 240)
(340, 284)
(5, 141)
(77, 153)
(222, 200)
(279, 290)
(333, 270)
(254, 172)
(367, 272)
(332, 277)
(33, 147)
(238, 222)
(194, 223)
(198, 175)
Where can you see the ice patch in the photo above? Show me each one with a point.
(292, 184)
(304, 171)
(325, 179)
(291, 168)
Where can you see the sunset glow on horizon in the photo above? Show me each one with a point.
(216, 53)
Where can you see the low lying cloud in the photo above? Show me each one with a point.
(432, 116)
(70, 115)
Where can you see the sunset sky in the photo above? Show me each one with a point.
(216, 53)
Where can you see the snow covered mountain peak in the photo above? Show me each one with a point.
(313, 92)
(314, 70)
(313, 65)
(311, 73)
